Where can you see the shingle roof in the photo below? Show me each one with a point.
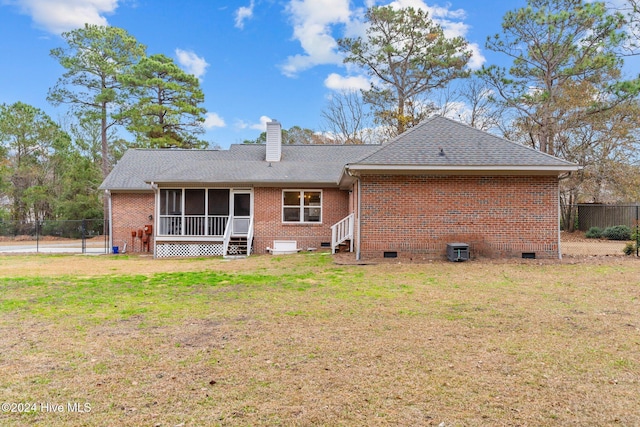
(436, 144)
(440, 142)
(241, 164)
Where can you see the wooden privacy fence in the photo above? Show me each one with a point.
(603, 216)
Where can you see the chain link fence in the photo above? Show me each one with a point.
(86, 236)
(598, 218)
(91, 236)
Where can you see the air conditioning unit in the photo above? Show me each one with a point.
(457, 252)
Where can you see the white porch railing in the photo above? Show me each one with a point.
(170, 225)
(341, 232)
(194, 225)
(217, 224)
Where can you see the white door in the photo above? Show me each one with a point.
(242, 210)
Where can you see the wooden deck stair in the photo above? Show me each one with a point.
(341, 233)
(344, 246)
(238, 246)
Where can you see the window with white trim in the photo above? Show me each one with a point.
(301, 206)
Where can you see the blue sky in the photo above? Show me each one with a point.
(256, 59)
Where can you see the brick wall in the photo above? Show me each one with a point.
(499, 216)
(130, 211)
(268, 224)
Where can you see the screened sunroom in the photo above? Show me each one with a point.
(203, 212)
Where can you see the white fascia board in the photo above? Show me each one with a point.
(131, 190)
(462, 169)
(238, 184)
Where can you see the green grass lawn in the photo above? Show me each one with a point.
(299, 340)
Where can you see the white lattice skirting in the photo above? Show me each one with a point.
(166, 250)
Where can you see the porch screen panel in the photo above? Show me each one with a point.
(170, 211)
(241, 204)
(194, 202)
(170, 202)
(194, 212)
(218, 201)
(218, 210)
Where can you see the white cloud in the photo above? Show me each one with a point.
(345, 84)
(213, 120)
(192, 63)
(477, 58)
(437, 13)
(314, 20)
(261, 125)
(312, 24)
(58, 16)
(243, 13)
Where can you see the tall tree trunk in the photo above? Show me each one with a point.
(401, 119)
(568, 211)
(106, 164)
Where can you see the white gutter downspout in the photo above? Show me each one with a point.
(107, 194)
(356, 175)
(156, 220)
(559, 224)
(358, 254)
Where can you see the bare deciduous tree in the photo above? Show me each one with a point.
(345, 119)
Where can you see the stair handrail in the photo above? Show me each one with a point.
(227, 236)
(342, 231)
(250, 236)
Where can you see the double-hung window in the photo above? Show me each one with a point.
(302, 206)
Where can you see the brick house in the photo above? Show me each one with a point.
(437, 183)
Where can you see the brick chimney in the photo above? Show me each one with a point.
(274, 141)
